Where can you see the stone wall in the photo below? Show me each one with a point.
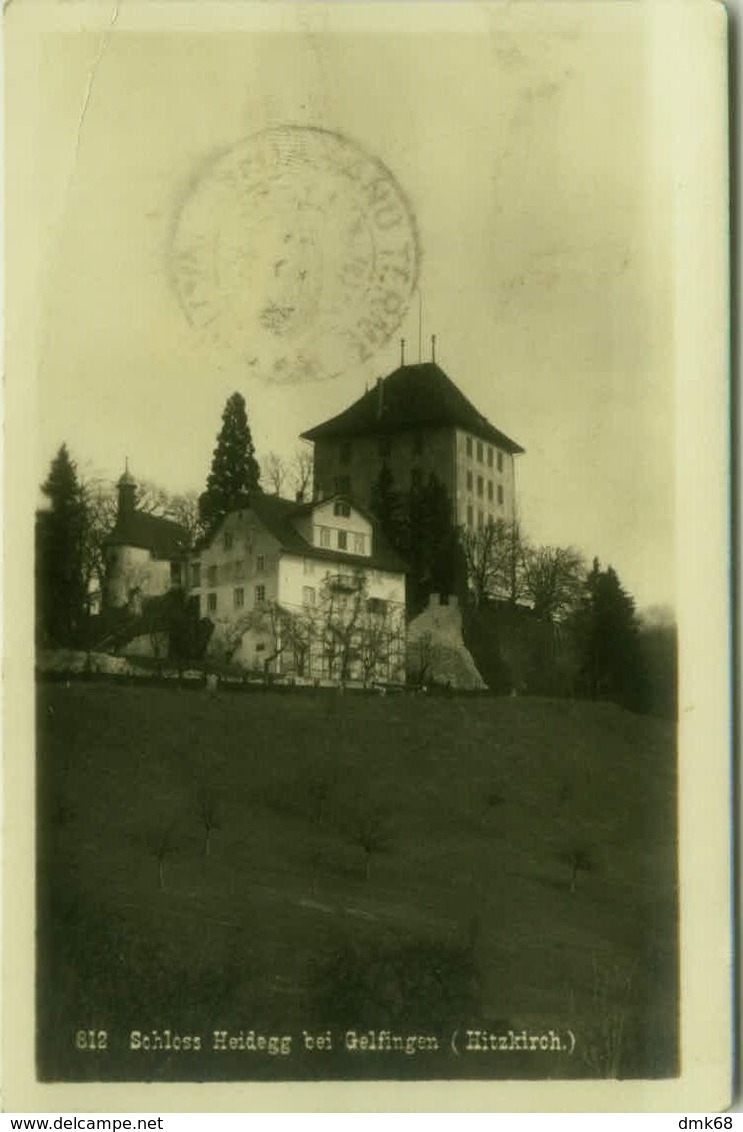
(436, 652)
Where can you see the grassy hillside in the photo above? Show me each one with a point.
(283, 861)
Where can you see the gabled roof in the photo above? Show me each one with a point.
(163, 537)
(418, 396)
(278, 516)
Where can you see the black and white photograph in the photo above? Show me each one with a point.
(357, 581)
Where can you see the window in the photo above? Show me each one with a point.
(309, 566)
(490, 456)
(239, 569)
(500, 494)
(308, 595)
(479, 486)
(468, 445)
(343, 485)
(490, 491)
(195, 574)
(384, 447)
(340, 507)
(480, 520)
(260, 563)
(479, 451)
(500, 461)
(228, 540)
(211, 603)
(212, 575)
(376, 605)
(325, 536)
(239, 597)
(469, 481)
(344, 454)
(469, 517)
(342, 540)
(260, 595)
(175, 573)
(359, 544)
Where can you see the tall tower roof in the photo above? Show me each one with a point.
(126, 479)
(412, 396)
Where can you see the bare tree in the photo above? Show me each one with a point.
(161, 845)
(553, 579)
(422, 656)
(369, 830)
(381, 640)
(342, 602)
(208, 814)
(184, 509)
(301, 470)
(321, 781)
(578, 858)
(494, 554)
(274, 472)
(151, 499)
(100, 503)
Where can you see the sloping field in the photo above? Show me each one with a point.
(280, 862)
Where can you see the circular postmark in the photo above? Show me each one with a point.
(298, 250)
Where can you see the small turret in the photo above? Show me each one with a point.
(127, 486)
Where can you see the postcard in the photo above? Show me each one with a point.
(366, 552)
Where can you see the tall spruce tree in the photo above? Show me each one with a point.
(607, 630)
(60, 533)
(437, 561)
(386, 504)
(234, 469)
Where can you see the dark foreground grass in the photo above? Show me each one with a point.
(285, 863)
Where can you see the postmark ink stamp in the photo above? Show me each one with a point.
(297, 250)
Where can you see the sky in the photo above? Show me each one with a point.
(521, 140)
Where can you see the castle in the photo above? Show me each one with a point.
(283, 580)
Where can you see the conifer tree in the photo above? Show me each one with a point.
(607, 628)
(437, 562)
(387, 506)
(234, 469)
(61, 534)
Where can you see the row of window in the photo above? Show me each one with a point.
(482, 519)
(211, 571)
(335, 539)
(238, 598)
(309, 599)
(481, 488)
(481, 451)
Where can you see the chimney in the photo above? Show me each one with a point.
(380, 395)
(433, 348)
(402, 351)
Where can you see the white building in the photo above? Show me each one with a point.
(144, 554)
(307, 590)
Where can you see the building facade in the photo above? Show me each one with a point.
(417, 422)
(144, 555)
(303, 590)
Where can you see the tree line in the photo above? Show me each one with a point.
(577, 624)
